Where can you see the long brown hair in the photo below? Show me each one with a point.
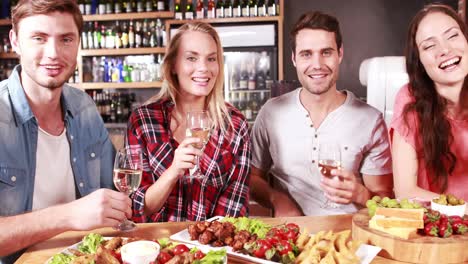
(429, 106)
(27, 8)
(170, 89)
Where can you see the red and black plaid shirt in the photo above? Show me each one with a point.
(225, 163)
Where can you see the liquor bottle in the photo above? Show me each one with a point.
(235, 79)
(244, 77)
(160, 6)
(90, 36)
(96, 36)
(211, 10)
(141, 6)
(237, 8)
(146, 34)
(178, 9)
(87, 7)
(110, 38)
(220, 9)
(189, 10)
(84, 37)
(118, 35)
(110, 6)
(254, 105)
(253, 11)
(268, 81)
(129, 6)
(102, 42)
(262, 8)
(227, 8)
(138, 35)
(252, 83)
(272, 8)
(242, 103)
(154, 35)
(118, 6)
(124, 37)
(247, 108)
(131, 35)
(200, 9)
(81, 5)
(159, 33)
(149, 6)
(102, 7)
(245, 8)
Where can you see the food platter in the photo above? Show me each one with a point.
(365, 252)
(418, 249)
(204, 249)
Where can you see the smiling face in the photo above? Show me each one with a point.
(317, 59)
(442, 49)
(48, 47)
(196, 65)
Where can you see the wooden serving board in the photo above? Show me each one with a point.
(420, 249)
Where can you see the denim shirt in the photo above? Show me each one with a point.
(91, 151)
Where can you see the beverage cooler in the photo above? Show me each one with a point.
(250, 64)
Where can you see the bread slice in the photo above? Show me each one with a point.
(414, 214)
(402, 232)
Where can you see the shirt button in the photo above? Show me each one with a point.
(13, 178)
(311, 125)
(81, 184)
(71, 137)
(313, 161)
(74, 159)
(93, 155)
(314, 148)
(316, 135)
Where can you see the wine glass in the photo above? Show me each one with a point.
(329, 158)
(199, 126)
(128, 168)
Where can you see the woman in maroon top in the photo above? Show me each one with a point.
(193, 80)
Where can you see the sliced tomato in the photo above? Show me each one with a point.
(291, 235)
(180, 249)
(273, 240)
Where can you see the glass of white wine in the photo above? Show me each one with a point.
(128, 168)
(329, 158)
(199, 126)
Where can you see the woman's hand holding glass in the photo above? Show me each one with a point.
(185, 156)
(198, 125)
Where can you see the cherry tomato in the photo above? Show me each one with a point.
(198, 255)
(163, 257)
(117, 255)
(293, 226)
(180, 249)
(276, 232)
(291, 235)
(262, 246)
(273, 240)
(284, 247)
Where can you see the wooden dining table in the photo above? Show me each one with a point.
(41, 252)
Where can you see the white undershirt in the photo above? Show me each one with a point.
(54, 182)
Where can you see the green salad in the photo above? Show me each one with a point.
(254, 226)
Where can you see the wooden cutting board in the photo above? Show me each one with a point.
(421, 249)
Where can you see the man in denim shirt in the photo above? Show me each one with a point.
(54, 147)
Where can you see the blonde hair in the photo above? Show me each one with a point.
(170, 89)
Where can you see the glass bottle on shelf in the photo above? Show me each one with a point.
(138, 35)
(220, 9)
(200, 9)
(244, 77)
(178, 9)
(161, 5)
(189, 10)
(211, 10)
(124, 37)
(272, 8)
(247, 108)
(84, 37)
(252, 82)
(81, 5)
(227, 8)
(129, 6)
(237, 8)
(87, 7)
(141, 6)
(90, 36)
(102, 7)
(149, 6)
(262, 8)
(253, 8)
(110, 6)
(118, 36)
(234, 79)
(131, 35)
(245, 8)
(118, 6)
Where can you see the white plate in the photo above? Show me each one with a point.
(203, 248)
(366, 253)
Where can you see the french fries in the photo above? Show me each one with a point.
(327, 248)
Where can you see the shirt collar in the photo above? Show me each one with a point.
(22, 110)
